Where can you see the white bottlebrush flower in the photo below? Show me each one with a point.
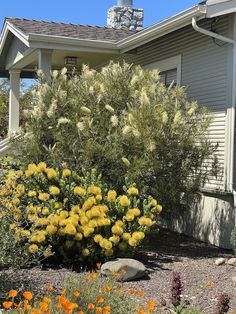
(63, 120)
(144, 99)
(177, 117)
(91, 90)
(130, 118)
(85, 110)
(52, 109)
(192, 110)
(125, 161)
(64, 71)
(80, 126)
(114, 120)
(136, 132)
(134, 80)
(164, 117)
(151, 146)
(110, 108)
(55, 74)
(127, 130)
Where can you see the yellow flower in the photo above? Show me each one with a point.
(126, 236)
(32, 193)
(94, 189)
(105, 244)
(58, 205)
(28, 173)
(45, 211)
(16, 201)
(54, 190)
(85, 252)
(43, 197)
(41, 166)
(51, 229)
(111, 196)
(133, 242)
(124, 201)
(78, 236)
(153, 202)
(143, 221)
(98, 197)
(133, 191)
(159, 208)
(97, 238)
(66, 173)
(33, 168)
(119, 223)
(64, 214)
(129, 217)
(70, 229)
(117, 230)
(78, 190)
(51, 173)
(135, 211)
(138, 235)
(25, 233)
(33, 248)
(114, 239)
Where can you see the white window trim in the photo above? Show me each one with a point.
(168, 64)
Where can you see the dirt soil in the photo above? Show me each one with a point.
(163, 254)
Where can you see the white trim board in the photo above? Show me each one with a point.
(168, 64)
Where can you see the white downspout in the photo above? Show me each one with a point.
(232, 120)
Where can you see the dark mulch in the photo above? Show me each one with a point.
(165, 252)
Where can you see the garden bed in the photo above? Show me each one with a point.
(163, 253)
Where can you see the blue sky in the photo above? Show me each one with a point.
(91, 12)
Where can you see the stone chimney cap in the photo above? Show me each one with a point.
(125, 3)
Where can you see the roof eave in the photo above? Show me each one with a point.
(162, 28)
(216, 7)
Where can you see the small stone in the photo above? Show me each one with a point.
(234, 279)
(220, 261)
(127, 268)
(232, 261)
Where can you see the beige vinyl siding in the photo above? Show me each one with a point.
(204, 73)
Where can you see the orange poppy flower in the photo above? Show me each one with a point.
(50, 288)
(93, 275)
(87, 279)
(28, 295)
(107, 288)
(35, 311)
(100, 299)
(7, 304)
(80, 312)
(91, 306)
(150, 305)
(132, 291)
(141, 293)
(62, 291)
(12, 293)
(98, 310)
(47, 300)
(77, 293)
(99, 265)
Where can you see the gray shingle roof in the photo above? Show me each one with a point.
(76, 31)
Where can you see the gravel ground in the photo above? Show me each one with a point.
(163, 254)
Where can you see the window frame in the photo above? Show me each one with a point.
(167, 65)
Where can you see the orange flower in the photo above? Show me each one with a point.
(87, 279)
(44, 306)
(99, 265)
(63, 291)
(7, 304)
(132, 291)
(209, 283)
(77, 293)
(150, 305)
(12, 294)
(47, 300)
(93, 275)
(28, 295)
(141, 293)
(122, 271)
(98, 310)
(80, 312)
(100, 299)
(91, 306)
(141, 310)
(107, 308)
(35, 311)
(107, 288)
(50, 288)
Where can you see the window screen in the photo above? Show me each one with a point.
(167, 77)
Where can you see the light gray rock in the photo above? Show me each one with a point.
(234, 279)
(127, 268)
(232, 261)
(220, 261)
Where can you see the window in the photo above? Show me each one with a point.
(170, 70)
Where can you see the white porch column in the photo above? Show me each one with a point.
(45, 61)
(14, 113)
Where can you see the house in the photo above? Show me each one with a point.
(196, 48)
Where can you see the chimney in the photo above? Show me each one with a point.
(124, 15)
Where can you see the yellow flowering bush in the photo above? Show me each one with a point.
(74, 216)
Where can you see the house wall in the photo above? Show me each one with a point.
(206, 72)
(16, 48)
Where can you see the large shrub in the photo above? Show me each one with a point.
(126, 123)
(73, 215)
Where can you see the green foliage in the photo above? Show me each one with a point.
(127, 124)
(73, 215)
